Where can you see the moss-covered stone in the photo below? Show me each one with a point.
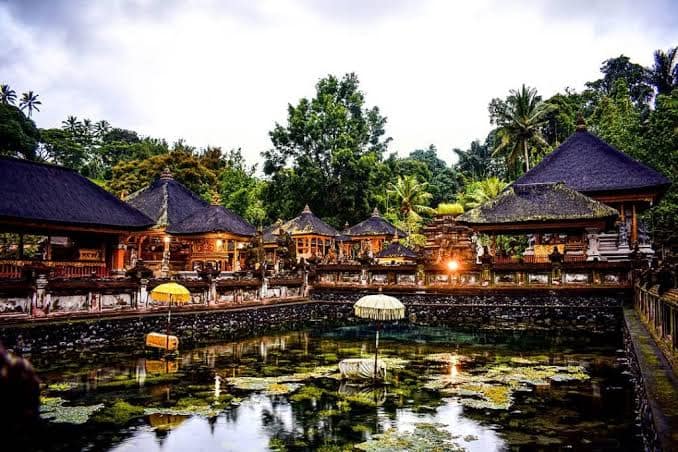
(117, 413)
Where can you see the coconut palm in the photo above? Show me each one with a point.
(520, 120)
(479, 192)
(663, 75)
(71, 124)
(411, 195)
(7, 95)
(29, 101)
(102, 128)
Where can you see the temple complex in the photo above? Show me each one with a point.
(587, 164)
(188, 233)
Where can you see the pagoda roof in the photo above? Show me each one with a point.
(166, 201)
(537, 203)
(374, 225)
(213, 219)
(395, 249)
(45, 193)
(588, 164)
(309, 224)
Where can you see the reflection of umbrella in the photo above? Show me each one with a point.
(168, 293)
(380, 308)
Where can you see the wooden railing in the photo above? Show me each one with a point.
(12, 269)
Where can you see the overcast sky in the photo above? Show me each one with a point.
(222, 72)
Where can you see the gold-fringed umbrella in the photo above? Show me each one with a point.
(379, 308)
(170, 293)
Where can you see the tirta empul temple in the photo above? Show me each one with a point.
(79, 268)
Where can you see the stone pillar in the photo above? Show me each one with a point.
(40, 297)
(142, 296)
(264, 286)
(212, 292)
(363, 276)
(165, 265)
(593, 250)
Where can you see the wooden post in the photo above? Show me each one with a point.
(634, 225)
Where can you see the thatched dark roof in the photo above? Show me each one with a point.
(395, 249)
(537, 203)
(589, 165)
(270, 233)
(213, 219)
(166, 201)
(308, 223)
(46, 194)
(375, 225)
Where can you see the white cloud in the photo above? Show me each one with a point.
(222, 75)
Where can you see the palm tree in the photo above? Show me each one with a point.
(411, 195)
(102, 128)
(29, 101)
(71, 124)
(7, 95)
(479, 192)
(663, 75)
(520, 120)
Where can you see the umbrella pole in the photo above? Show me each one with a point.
(169, 318)
(376, 353)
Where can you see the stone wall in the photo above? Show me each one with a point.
(191, 327)
(545, 310)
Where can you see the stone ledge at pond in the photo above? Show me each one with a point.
(540, 312)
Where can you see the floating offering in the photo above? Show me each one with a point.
(163, 341)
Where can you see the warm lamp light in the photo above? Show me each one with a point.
(453, 265)
(220, 244)
(166, 239)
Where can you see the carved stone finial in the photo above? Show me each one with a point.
(375, 212)
(395, 236)
(581, 123)
(307, 209)
(166, 174)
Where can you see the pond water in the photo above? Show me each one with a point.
(445, 390)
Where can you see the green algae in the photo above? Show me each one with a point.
(117, 413)
(424, 438)
(53, 409)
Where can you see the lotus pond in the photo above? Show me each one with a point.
(445, 390)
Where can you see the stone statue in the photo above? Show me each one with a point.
(643, 236)
(623, 235)
(593, 252)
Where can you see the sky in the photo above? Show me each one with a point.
(222, 73)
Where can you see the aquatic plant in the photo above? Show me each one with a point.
(424, 438)
(117, 413)
(53, 409)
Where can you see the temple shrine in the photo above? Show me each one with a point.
(188, 233)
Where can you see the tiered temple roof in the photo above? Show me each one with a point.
(375, 225)
(166, 201)
(396, 249)
(213, 219)
(536, 206)
(309, 224)
(49, 194)
(587, 164)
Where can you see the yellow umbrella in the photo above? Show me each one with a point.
(380, 308)
(168, 293)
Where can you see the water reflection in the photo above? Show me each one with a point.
(190, 404)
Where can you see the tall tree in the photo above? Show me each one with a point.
(411, 196)
(663, 74)
(519, 119)
(326, 154)
(7, 95)
(18, 134)
(29, 101)
(634, 75)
